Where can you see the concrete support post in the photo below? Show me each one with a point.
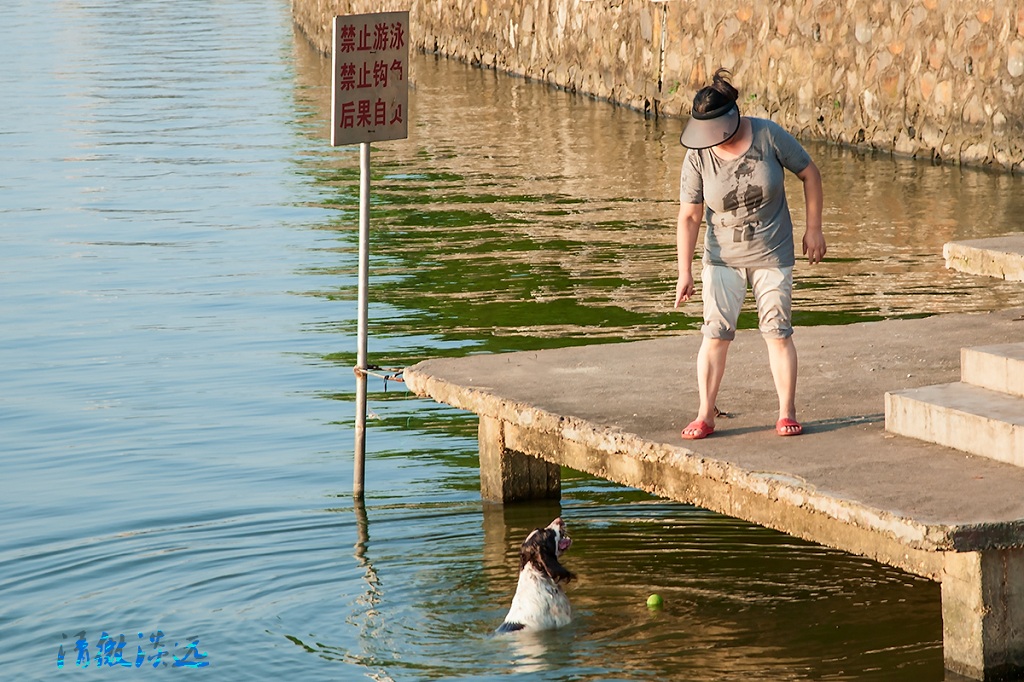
(983, 613)
(509, 476)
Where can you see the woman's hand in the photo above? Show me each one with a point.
(687, 226)
(814, 238)
(684, 288)
(814, 245)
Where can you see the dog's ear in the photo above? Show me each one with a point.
(540, 550)
(529, 552)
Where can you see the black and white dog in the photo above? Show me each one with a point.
(539, 602)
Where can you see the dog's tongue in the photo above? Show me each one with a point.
(564, 543)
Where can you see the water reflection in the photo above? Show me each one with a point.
(515, 216)
(373, 597)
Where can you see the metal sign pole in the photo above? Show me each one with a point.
(359, 471)
(369, 103)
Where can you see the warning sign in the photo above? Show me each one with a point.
(370, 95)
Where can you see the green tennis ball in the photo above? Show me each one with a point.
(654, 601)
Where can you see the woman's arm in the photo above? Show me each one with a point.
(814, 237)
(687, 227)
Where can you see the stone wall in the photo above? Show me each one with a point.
(938, 79)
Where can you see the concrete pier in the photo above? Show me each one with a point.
(999, 257)
(616, 410)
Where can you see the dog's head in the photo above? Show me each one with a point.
(542, 548)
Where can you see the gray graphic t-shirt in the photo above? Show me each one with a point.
(748, 221)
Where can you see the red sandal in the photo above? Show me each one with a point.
(788, 427)
(699, 428)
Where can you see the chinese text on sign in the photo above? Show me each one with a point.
(370, 100)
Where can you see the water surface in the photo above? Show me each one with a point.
(177, 259)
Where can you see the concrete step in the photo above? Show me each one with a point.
(997, 368)
(1001, 257)
(961, 416)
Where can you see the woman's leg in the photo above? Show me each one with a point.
(773, 291)
(710, 370)
(782, 358)
(723, 290)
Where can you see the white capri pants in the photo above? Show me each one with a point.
(723, 291)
